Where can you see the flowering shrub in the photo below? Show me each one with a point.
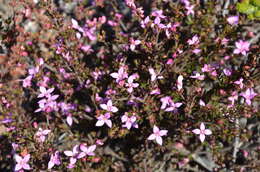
(169, 85)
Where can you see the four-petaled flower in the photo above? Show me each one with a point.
(154, 75)
(120, 75)
(87, 150)
(55, 160)
(130, 83)
(104, 119)
(248, 95)
(134, 43)
(157, 135)
(233, 20)
(202, 132)
(129, 121)
(41, 134)
(45, 93)
(241, 47)
(74, 155)
(22, 163)
(109, 106)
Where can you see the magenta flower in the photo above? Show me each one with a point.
(55, 160)
(157, 135)
(202, 132)
(233, 20)
(145, 22)
(249, 94)
(241, 47)
(109, 107)
(129, 121)
(41, 134)
(87, 150)
(104, 119)
(194, 40)
(22, 163)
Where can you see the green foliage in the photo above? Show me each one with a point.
(250, 7)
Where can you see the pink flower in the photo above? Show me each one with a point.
(166, 101)
(55, 160)
(249, 94)
(233, 98)
(202, 132)
(22, 163)
(173, 107)
(189, 10)
(120, 75)
(198, 76)
(179, 82)
(129, 121)
(241, 47)
(41, 134)
(202, 103)
(154, 75)
(74, 155)
(233, 20)
(45, 93)
(194, 40)
(27, 81)
(240, 83)
(131, 85)
(104, 119)
(145, 22)
(134, 43)
(157, 135)
(109, 107)
(87, 150)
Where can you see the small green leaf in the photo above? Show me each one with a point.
(257, 14)
(256, 2)
(246, 8)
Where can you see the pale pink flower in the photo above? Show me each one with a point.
(45, 93)
(179, 82)
(233, 20)
(87, 150)
(120, 75)
(145, 22)
(202, 132)
(194, 40)
(27, 81)
(104, 119)
(41, 134)
(173, 106)
(189, 10)
(130, 83)
(74, 155)
(249, 94)
(207, 68)
(155, 91)
(202, 103)
(22, 163)
(198, 76)
(109, 107)
(240, 83)
(129, 121)
(154, 75)
(233, 98)
(55, 160)
(242, 47)
(134, 43)
(166, 101)
(157, 135)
